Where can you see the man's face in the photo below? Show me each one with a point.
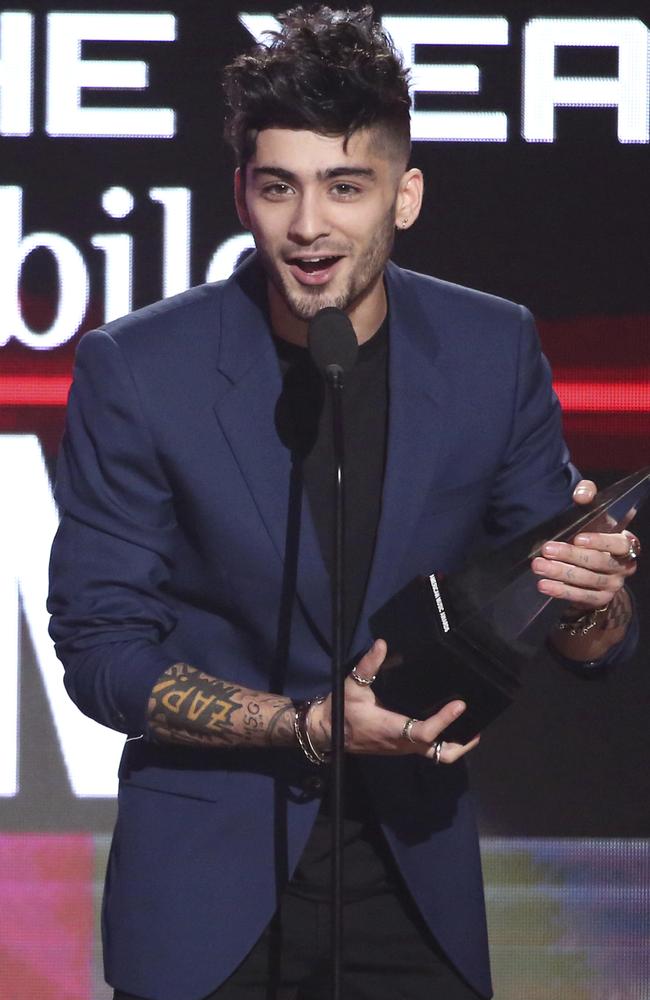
(322, 216)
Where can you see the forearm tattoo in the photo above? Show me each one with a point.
(191, 708)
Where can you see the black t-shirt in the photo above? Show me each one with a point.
(304, 422)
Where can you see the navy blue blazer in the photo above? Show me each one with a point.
(174, 493)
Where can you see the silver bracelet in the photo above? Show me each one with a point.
(303, 737)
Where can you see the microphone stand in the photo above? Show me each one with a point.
(333, 348)
(334, 376)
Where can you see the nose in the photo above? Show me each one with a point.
(308, 223)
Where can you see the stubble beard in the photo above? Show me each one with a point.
(305, 304)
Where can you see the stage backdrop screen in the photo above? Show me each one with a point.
(531, 123)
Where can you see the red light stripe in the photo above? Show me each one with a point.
(603, 397)
(576, 396)
(34, 390)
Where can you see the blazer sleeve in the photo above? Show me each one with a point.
(536, 479)
(111, 555)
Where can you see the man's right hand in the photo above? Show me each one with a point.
(191, 708)
(370, 728)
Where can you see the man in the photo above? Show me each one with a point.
(190, 590)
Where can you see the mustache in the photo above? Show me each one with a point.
(291, 253)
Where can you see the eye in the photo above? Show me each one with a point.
(278, 189)
(345, 190)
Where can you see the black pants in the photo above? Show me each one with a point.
(388, 951)
(388, 954)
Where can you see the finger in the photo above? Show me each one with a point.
(634, 547)
(600, 552)
(576, 595)
(611, 578)
(451, 752)
(426, 732)
(616, 543)
(585, 491)
(369, 664)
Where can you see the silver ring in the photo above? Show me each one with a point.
(406, 730)
(634, 550)
(437, 750)
(362, 681)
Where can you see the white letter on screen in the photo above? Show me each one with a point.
(407, 32)
(71, 269)
(28, 521)
(117, 202)
(177, 206)
(68, 73)
(225, 258)
(544, 91)
(16, 72)
(257, 24)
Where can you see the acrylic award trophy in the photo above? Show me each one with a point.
(468, 634)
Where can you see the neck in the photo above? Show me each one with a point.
(366, 315)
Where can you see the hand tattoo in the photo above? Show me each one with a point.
(619, 612)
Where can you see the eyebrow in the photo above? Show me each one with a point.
(322, 175)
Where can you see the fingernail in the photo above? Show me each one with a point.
(551, 549)
(459, 708)
(582, 540)
(581, 490)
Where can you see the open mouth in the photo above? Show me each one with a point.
(314, 265)
(314, 270)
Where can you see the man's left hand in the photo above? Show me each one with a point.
(589, 571)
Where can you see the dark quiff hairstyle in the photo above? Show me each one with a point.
(327, 71)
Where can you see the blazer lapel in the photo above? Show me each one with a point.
(246, 410)
(418, 399)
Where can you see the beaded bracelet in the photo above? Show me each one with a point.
(303, 737)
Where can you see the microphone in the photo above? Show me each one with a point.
(332, 343)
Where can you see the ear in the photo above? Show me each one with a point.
(409, 198)
(240, 199)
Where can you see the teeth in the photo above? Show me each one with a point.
(315, 265)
